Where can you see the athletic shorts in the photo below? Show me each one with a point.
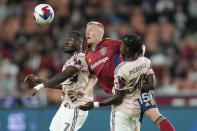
(68, 119)
(122, 122)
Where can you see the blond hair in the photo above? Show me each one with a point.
(96, 23)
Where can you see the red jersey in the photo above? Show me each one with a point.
(103, 61)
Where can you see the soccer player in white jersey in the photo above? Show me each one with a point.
(128, 83)
(149, 107)
(75, 77)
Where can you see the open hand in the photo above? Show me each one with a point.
(74, 95)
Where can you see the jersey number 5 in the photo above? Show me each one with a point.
(144, 98)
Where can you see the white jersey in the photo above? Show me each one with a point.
(129, 78)
(78, 82)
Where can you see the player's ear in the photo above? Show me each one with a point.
(80, 42)
(140, 52)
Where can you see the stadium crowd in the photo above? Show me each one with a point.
(168, 29)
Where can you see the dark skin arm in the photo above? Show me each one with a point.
(34, 80)
(61, 77)
(113, 100)
(150, 84)
(117, 98)
(55, 82)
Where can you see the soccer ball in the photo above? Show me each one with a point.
(43, 14)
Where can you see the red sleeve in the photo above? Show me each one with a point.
(115, 44)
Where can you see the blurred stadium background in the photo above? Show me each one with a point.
(168, 28)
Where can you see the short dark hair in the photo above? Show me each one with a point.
(76, 35)
(133, 42)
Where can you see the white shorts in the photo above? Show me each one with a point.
(121, 122)
(67, 119)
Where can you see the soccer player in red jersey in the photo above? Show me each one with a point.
(102, 57)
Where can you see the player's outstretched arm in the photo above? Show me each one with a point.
(113, 100)
(34, 80)
(57, 79)
(150, 84)
(61, 77)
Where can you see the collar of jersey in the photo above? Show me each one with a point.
(132, 59)
(97, 45)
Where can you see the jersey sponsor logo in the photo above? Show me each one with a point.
(103, 51)
(99, 62)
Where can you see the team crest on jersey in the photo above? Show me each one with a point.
(103, 50)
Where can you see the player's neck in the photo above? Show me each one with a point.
(94, 45)
(130, 57)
